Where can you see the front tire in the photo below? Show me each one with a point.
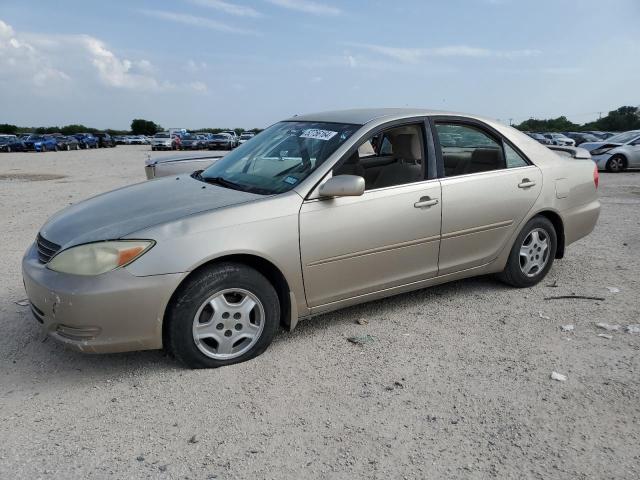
(532, 254)
(616, 164)
(223, 314)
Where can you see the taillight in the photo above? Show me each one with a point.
(596, 176)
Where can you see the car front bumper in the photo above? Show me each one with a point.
(112, 312)
(601, 160)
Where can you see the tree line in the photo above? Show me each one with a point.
(139, 126)
(620, 120)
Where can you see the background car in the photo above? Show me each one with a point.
(40, 143)
(245, 136)
(560, 139)
(137, 140)
(193, 142)
(616, 153)
(581, 137)
(105, 140)
(234, 137)
(220, 141)
(165, 141)
(603, 135)
(66, 142)
(11, 144)
(540, 138)
(86, 140)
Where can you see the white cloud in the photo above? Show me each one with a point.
(228, 7)
(307, 6)
(414, 55)
(193, 66)
(54, 60)
(192, 20)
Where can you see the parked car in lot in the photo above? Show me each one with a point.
(165, 141)
(137, 140)
(40, 143)
(560, 139)
(105, 140)
(220, 141)
(11, 144)
(581, 137)
(86, 140)
(603, 135)
(317, 213)
(540, 138)
(234, 137)
(193, 142)
(245, 136)
(66, 143)
(617, 153)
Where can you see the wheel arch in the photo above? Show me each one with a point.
(558, 224)
(262, 265)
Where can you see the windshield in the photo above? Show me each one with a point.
(159, 135)
(280, 157)
(624, 137)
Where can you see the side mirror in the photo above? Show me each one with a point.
(342, 186)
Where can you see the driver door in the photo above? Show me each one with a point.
(388, 237)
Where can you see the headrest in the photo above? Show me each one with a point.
(404, 146)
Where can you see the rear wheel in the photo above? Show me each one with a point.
(532, 254)
(224, 314)
(9, 149)
(616, 164)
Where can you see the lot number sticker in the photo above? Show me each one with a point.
(318, 134)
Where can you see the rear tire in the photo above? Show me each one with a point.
(532, 254)
(210, 322)
(616, 164)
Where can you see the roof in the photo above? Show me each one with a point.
(365, 115)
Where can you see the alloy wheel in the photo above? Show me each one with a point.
(534, 252)
(228, 324)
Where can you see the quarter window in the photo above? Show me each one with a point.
(466, 149)
(388, 158)
(514, 159)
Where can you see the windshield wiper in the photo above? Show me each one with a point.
(222, 182)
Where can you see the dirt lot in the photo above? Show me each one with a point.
(456, 383)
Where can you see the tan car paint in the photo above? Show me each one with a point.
(339, 252)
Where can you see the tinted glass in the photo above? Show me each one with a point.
(280, 157)
(466, 149)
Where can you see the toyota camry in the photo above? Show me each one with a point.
(316, 213)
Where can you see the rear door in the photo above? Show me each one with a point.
(488, 187)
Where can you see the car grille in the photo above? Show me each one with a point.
(46, 249)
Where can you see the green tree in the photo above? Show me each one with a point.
(560, 124)
(140, 126)
(8, 129)
(620, 120)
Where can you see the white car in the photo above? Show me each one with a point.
(246, 136)
(560, 139)
(163, 141)
(617, 153)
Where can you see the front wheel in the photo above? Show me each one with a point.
(532, 254)
(224, 314)
(616, 164)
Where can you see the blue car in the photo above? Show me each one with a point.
(86, 140)
(40, 143)
(11, 144)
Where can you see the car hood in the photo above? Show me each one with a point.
(594, 145)
(124, 211)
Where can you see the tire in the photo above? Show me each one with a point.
(616, 164)
(228, 285)
(68, 147)
(537, 260)
(56, 149)
(8, 149)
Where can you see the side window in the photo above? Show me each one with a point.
(391, 157)
(513, 158)
(466, 149)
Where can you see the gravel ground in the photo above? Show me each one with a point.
(455, 383)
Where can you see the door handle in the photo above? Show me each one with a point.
(526, 183)
(426, 202)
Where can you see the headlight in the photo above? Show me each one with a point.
(100, 257)
(601, 150)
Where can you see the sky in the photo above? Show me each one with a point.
(250, 63)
